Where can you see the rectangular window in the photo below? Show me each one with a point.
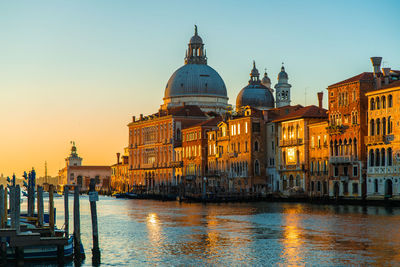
(355, 188)
(345, 172)
(245, 127)
(312, 141)
(355, 171)
(336, 171)
(238, 128)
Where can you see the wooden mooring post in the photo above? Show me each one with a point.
(93, 197)
(3, 245)
(77, 228)
(40, 206)
(51, 209)
(66, 211)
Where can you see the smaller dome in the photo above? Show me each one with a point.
(283, 74)
(266, 81)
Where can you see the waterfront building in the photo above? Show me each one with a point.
(74, 173)
(237, 154)
(272, 143)
(152, 143)
(383, 143)
(194, 151)
(196, 83)
(293, 154)
(318, 163)
(347, 128)
(119, 173)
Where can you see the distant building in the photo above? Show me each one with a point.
(120, 174)
(76, 174)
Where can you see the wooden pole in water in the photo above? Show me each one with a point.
(77, 230)
(2, 219)
(66, 211)
(93, 197)
(51, 209)
(40, 206)
(17, 210)
(12, 206)
(5, 206)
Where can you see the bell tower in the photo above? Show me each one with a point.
(282, 89)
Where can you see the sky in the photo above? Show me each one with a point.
(79, 70)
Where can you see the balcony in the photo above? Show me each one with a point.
(383, 170)
(292, 167)
(341, 159)
(335, 129)
(177, 164)
(375, 139)
(291, 142)
(233, 155)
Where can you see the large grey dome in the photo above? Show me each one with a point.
(195, 80)
(255, 94)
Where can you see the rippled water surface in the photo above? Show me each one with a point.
(145, 232)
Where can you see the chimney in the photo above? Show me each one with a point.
(133, 118)
(118, 155)
(376, 63)
(386, 75)
(320, 97)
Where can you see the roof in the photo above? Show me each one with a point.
(306, 112)
(391, 85)
(276, 113)
(211, 122)
(365, 76)
(89, 167)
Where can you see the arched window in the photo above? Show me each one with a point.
(312, 186)
(345, 147)
(372, 127)
(383, 102)
(384, 126)
(376, 185)
(297, 180)
(256, 168)
(331, 146)
(390, 101)
(377, 158)
(372, 104)
(378, 103)
(178, 134)
(371, 158)
(319, 186)
(355, 152)
(389, 125)
(340, 148)
(383, 163)
(336, 148)
(256, 146)
(389, 157)
(350, 147)
(378, 126)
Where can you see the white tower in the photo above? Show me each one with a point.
(73, 159)
(282, 89)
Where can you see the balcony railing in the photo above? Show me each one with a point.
(383, 170)
(342, 159)
(233, 154)
(177, 164)
(291, 142)
(375, 139)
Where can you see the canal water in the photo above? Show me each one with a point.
(146, 232)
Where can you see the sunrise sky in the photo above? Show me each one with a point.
(78, 70)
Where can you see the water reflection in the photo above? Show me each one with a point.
(142, 232)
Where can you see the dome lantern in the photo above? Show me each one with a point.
(195, 53)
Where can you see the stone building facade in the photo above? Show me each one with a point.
(318, 163)
(120, 174)
(383, 143)
(152, 143)
(293, 153)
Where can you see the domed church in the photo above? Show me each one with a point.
(196, 83)
(257, 93)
